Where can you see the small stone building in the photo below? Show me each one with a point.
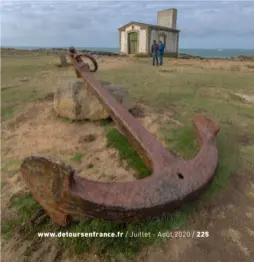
(137, 38)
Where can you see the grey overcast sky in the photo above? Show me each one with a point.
(203, 24)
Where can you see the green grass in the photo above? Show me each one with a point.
(13, 99)
(39, 81)
(11, 166)
(127, 152)
(25, 206)
(78, 157)
(22, 66)
(186, 92)
(181, 139)
(189, 91)
(108, 248)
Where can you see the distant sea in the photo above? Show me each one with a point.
(217, 53)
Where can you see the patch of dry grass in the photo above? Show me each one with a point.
(225, 65)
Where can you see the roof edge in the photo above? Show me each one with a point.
(132, 22)
(148, 25)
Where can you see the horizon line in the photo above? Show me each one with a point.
(193, 48)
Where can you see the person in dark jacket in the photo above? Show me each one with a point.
(154, 51)
(161, 52)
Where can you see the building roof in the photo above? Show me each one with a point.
(164, 28)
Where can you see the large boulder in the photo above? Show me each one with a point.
(74, 101)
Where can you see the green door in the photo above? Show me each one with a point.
(133, 42)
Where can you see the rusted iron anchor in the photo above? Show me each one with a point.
(66, 196)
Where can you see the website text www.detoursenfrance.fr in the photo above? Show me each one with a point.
(80, 234)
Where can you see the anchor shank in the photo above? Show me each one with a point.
(149, 149)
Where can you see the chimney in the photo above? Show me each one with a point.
(167, 18)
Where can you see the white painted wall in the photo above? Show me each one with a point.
(123, 42)
(153, 36)
(142, 39)
(171, 39)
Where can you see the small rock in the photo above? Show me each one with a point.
(247, 98)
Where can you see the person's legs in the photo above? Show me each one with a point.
(157, 62)
(160, 58)
(153, 59)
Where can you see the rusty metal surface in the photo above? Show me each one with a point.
(66, 196)
(79, 56)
